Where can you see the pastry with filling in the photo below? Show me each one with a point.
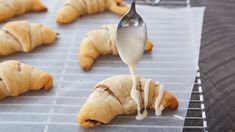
(22, 36)
(17, 78)
(101, 42)
(73, 9)
(111, 97)
(12, 8)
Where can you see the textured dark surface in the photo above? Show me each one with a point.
(194, 119)
(217, 64)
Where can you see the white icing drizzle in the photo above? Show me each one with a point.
(135, 93)
(135, 96)
(157, 83)
(158, 112)
(158, 108)
(146, 96)
(126, 38)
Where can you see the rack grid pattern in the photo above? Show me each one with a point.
(56, 110)
(195, 120)
(196, 115)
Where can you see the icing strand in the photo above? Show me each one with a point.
(135, 93)
(159, 111)
(135, 96)
(158, 108)
(146, 95)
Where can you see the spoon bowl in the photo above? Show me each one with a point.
(131, 36)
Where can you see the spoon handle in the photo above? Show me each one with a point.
(132, 5)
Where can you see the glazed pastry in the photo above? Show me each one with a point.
(100, 42)
(73, 9)
(24, 36)
(11, 8)
(17, 78)
(111, 97)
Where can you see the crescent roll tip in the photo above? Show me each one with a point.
(17, 78)
(111, 97)
(101, 42)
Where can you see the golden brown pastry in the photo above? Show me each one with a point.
(24, 36)
(17, 78)
(111, 97)
(11, 8)
(73, 9)
(100, 42)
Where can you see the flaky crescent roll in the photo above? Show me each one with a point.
(11, 8)
(24, 36)
(111, 97)
(17, 78)
(101, 42)
(73, 9)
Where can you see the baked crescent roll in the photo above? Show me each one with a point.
(17, 78)
(101, 42)
(73, 9)
(24, 36)
(111, 97)
(11, 8)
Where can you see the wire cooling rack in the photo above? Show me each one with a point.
(195, 120)
(196, 115)
(56, 110)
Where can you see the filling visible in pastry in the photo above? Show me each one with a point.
(112, 97)
(93, 122)
(106, 88)
(17, 78)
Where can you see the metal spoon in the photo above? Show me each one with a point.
(131, 39)
(134, 20)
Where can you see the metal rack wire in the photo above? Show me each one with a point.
(196, 115)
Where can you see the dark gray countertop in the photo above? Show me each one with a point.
(217, 63)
